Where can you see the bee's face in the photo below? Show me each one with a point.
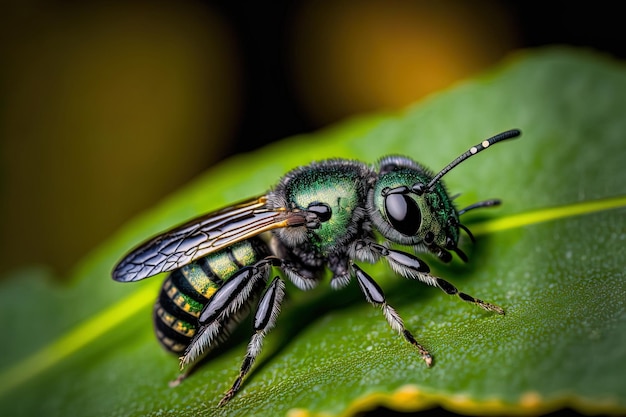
(405, 212)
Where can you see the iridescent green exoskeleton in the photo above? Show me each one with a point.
(323, 216)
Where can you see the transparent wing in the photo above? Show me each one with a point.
(202, 236)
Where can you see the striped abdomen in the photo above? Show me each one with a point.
(186, 291)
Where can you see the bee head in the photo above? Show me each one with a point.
(405, 211)
(410, 206)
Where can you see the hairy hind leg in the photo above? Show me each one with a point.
(264, 321)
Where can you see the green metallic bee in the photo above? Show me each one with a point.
(326, 215)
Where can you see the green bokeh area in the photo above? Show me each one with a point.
(561, 282)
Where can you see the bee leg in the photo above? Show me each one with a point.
(452, 290)
(340, 267)
(264, 321)
(410, 266)
(228, 302)
(180, 378)
(301, 277)
(374, 295)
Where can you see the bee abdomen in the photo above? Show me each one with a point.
(186, 291)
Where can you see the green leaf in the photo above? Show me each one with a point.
(552, 256)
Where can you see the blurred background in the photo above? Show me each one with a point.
(106, 107)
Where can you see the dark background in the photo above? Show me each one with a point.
(273, 110)
(107, 107)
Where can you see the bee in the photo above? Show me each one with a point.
(327, 215)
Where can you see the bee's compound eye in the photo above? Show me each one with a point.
(403, 213)
(322, 210)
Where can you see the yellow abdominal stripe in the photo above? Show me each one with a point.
(173, 322)
(184, 302)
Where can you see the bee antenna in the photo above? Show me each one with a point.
(460, 254)
(466, 230)
(486, 203)
(513, 133)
